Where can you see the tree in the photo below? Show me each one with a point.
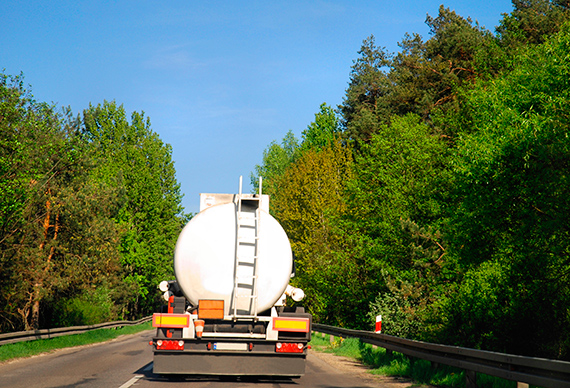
(423, 78)
(132, 158)
(15, 103)
(310, 200)
(323, 131)
(364, 106)
(51, 217)
(532, 21)
(396, 202)
(276, 159)
(511, 231)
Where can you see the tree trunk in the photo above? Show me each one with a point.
(39, 285)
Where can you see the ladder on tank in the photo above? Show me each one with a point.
(245, 297)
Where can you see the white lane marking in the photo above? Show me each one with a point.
(136, 378)
(131, 382)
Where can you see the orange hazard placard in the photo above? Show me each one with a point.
(210, 309)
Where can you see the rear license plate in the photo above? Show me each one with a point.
(229, 346)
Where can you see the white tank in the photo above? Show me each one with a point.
(205, 258)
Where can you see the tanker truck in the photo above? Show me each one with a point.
(227, 312)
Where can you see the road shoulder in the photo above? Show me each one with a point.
(357, 369)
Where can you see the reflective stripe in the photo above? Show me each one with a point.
(291, 324)
(174, 321)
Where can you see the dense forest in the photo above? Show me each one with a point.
(89, 213)
(438, 193)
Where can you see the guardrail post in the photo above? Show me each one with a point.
(521, 385)
(470, 379)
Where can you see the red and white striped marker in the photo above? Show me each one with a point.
(379, 324)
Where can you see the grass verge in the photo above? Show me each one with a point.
(397, 364)
(30, 348)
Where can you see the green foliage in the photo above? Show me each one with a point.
(453, 222)
(400, 175)
(323, 131)
(88, 216)
(363, 107)
(402, 168)
(427, 75)
(14, 105)
(482, 299)
(276, 159)
(309, 200)
(397, 315)
(55, 236)
(400, 183)
(132, 158)
(511, 229)
(423, 78)
(88, 308)
(532, 22)
(454, 219)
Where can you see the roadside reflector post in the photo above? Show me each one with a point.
(379, 324)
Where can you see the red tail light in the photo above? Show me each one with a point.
(170, 345)
(286, 347)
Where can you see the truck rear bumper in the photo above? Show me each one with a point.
(238, 364)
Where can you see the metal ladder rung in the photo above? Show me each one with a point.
(248, 242)
(246, 216)
(243, 257)
(248, 238)
(247, 296)
(248, 224)
(246, 264)
(242, 277)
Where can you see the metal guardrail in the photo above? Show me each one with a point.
(530, 370)
(20, 336)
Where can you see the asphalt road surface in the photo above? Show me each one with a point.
(127, 362)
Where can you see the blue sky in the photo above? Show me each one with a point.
(219, 80)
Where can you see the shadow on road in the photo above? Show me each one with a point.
(148, 374)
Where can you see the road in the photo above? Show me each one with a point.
(127, 362)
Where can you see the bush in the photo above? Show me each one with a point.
(89, 308)
(397, 315)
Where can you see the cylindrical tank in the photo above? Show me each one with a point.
(205, 257)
